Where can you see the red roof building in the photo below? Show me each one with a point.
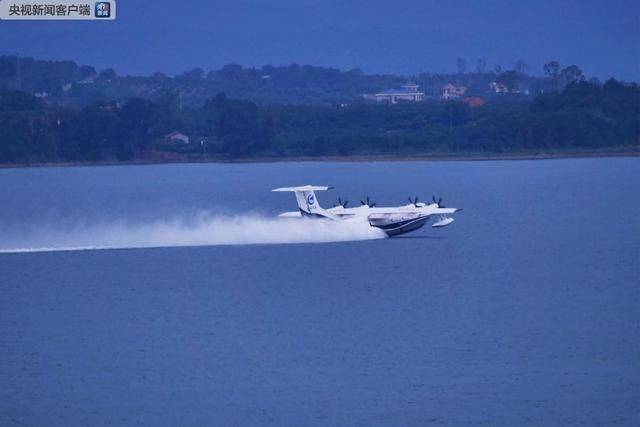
(474, 101)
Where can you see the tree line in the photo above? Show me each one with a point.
(583, 116)
(67, 83)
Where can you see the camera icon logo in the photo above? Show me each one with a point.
(103, 9)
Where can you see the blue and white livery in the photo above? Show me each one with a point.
(391, 220)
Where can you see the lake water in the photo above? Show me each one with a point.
(525, 311)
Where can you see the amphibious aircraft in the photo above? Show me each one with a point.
(391, 220)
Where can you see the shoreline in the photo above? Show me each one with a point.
(365, 158)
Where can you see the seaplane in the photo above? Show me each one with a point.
(392, 220)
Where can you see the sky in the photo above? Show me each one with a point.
(400, 37)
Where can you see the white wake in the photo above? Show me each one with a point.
(204, 230)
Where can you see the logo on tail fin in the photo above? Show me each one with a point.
(307, 202)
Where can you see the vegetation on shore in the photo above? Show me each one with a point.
(580, 116)
(68, 83)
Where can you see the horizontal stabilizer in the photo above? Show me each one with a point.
(304, 188)
(296, 214)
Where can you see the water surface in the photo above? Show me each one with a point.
(523, 312)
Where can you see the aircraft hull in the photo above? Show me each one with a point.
(400, 227)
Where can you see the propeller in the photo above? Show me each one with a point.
(414, 201)
(368, 203)
(341, 203)
(437, 202)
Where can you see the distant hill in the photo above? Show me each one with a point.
(67, 83)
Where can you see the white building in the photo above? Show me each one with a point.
(408, 92)
(177, 136)
(450, 91)
(88, 80)
(499, 87)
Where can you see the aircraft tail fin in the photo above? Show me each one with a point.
(306, 198)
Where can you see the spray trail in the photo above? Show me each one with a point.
(204, 230)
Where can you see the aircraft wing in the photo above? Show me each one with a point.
(441, 211)
(428, 211)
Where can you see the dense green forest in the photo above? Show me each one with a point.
(583, 116)
(68, 83)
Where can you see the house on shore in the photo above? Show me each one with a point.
(501, 88)
(175, 136)
(498, 87)
(408, 92)
(451, 92)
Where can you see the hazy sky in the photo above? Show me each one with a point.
(401, 36)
